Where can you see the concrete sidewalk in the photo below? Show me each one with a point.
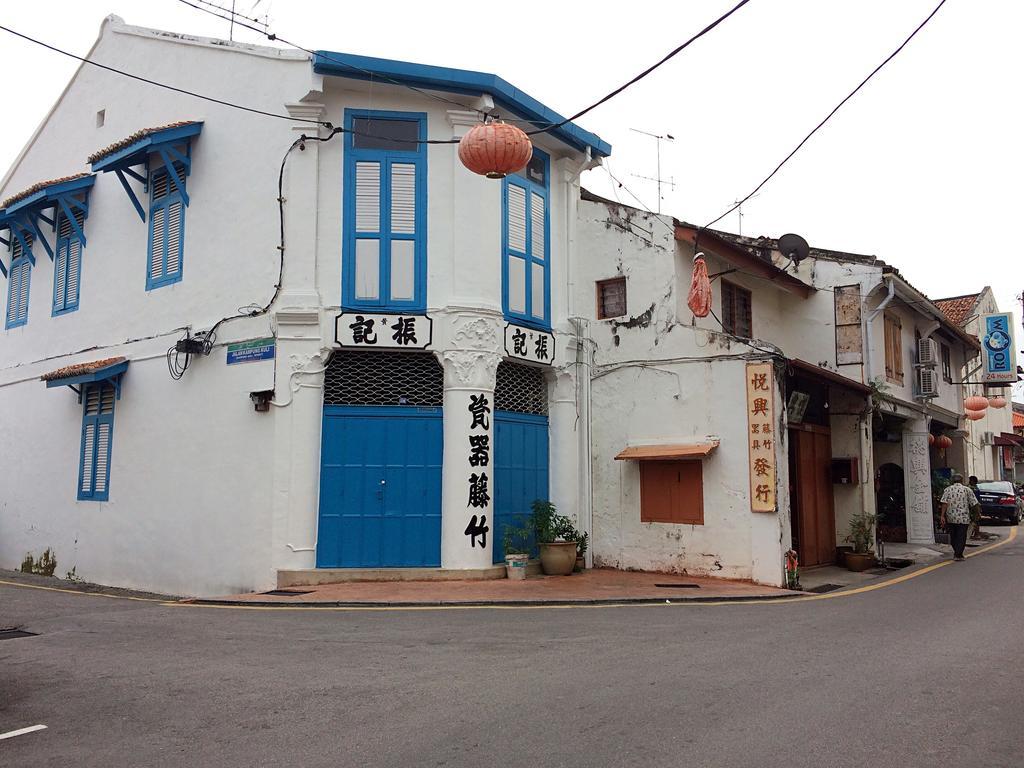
(592, 587)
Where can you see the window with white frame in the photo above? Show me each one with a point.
(385, 243)
(526, 269)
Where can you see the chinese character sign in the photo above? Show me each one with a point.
(999, 359)
(478, 445)
(376, 331)
(761, 435)
(529, 344)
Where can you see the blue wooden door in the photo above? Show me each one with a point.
(520, 470)
(380, 487)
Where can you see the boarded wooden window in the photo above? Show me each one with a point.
(947, 364)
(737, 314)
(849, 340)
(611, 298)
(672, 492)
(893, 349)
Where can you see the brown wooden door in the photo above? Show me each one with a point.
(813, 502)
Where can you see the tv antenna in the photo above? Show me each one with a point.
(739, 212)
(658, 138)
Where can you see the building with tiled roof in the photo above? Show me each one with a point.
(959, 308)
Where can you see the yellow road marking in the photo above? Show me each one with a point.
(668, 603)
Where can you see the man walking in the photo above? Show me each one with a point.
(955, 513)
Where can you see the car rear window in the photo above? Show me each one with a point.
(996, 487)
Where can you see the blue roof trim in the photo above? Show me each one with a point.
(101, 374)
(138, 151)
(49, 194)
(458, 81)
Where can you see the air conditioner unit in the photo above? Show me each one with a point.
(927, 352)
(988, 438)
(928, 383)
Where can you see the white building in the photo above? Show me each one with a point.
(685, 478)
(990, 441)
(381, 363)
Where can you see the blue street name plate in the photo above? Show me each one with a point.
(251, 351)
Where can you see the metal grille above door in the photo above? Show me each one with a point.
(521, 389)
(383, 378)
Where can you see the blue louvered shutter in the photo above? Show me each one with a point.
(18, 279)
(166, 228)
(67, 263)
(97, 437)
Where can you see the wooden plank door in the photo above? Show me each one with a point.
(815, 508)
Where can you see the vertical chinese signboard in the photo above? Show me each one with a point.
(761, 435)
(998, 355)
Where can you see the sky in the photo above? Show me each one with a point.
(921, 168)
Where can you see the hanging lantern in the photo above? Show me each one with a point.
(976, 403)
(699, 300)
(974, 415)
(495, 149)
(931, 439)
(944, 441)
(997, 402)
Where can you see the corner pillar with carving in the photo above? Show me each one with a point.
(467, 479)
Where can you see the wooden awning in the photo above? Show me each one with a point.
(672, 451)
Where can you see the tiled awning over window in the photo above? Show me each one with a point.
(173, 144)
(21, 213)
(667, 452)
(110, 368)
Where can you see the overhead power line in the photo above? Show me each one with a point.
(818, 127)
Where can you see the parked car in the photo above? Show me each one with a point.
(999, 499)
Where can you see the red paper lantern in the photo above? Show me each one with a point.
(495, 149)
(931, 439)
(997, 402)
(974, 415)
(944, 441)
(976, 403)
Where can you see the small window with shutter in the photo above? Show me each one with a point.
(384, 259)
(737, 312)
(18, 278)
(67, 259)
(893, 348)
(611, 298)
(166, 225)
(526, 275)
(97, 437)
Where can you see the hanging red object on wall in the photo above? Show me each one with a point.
(976, 403)
(974, 415)
(997, 402)
(699, 300)
(944, 441)
(495, 149)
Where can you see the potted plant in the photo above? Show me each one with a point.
(517, 551)
(581, 550)
(551, 530)
(861, 534)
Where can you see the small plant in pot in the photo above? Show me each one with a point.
(581, 550)
(517, 551)
(861, 535)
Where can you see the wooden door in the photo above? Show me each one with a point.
(813, 502)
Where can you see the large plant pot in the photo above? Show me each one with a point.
(860, 561)
(558, 558)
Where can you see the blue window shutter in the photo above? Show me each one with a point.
(166, 228)
(97, 439)
(526, 269)
(384, 223)
(67, 263)
(18, 280)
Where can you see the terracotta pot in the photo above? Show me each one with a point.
(859, 561)
(581, 565)
(558, 558)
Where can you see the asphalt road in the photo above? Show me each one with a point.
(921, 673)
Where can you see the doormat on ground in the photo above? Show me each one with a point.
(678, 586)
(288, 592)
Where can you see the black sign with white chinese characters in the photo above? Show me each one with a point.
(529, 344)
(373, 330)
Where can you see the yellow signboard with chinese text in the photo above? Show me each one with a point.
(761, 435)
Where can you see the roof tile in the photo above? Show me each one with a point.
(38, 186)
(958, 308)
(79, 368)
(137, 136)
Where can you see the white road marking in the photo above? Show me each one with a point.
(21, 731)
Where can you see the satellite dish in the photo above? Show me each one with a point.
(794, 247)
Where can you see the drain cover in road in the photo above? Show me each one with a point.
(11, 634)
(824, 588)
(678, 586)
